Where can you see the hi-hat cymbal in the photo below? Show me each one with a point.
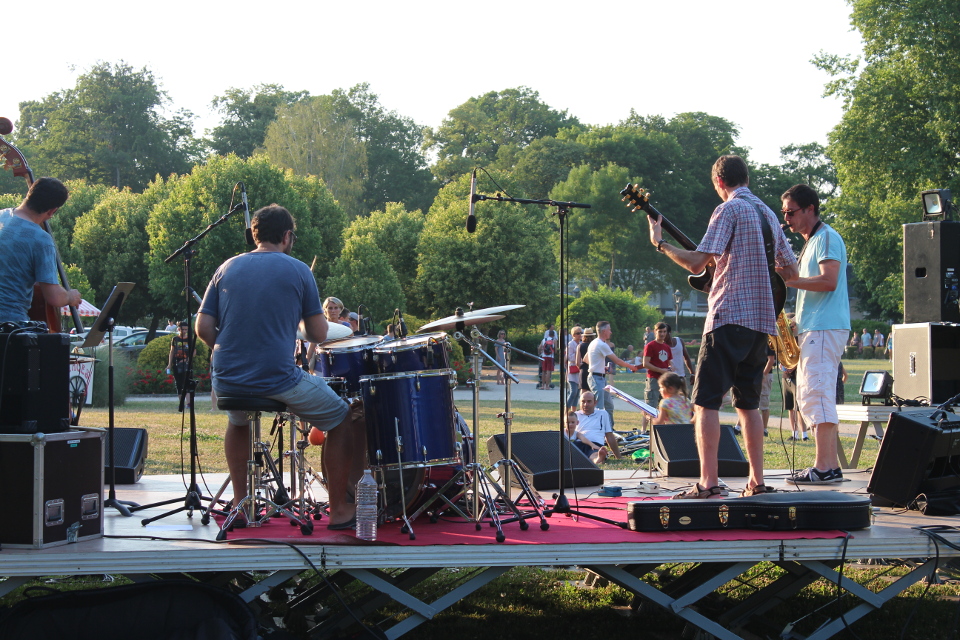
(451, 322)
(493, 310)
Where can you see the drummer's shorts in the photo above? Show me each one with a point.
(311, 400)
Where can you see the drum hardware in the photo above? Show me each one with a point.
(463, 318)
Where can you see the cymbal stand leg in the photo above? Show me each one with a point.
(407, 522)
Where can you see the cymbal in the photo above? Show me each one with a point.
(451, 322)
(335, 331)
(493, 310)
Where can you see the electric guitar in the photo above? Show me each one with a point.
(638, 198)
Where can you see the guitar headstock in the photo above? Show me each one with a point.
(14, 161)
(637, 197)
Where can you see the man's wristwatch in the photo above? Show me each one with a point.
(660, 245)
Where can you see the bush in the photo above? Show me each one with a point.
(850, 352)
(154, 356)
(626, 313)
(867, 353)
(123, 375)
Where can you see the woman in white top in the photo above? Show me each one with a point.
(682, 365)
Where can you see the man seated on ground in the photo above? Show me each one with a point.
(594, 428)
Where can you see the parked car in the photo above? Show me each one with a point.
(134, 343)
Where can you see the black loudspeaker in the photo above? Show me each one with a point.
(538, 455)
(925, 361)
(36, 382)
(130, 455)
(920, 453)
(931, 272)
(675, 449)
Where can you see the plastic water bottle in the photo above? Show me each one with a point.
(367, 514)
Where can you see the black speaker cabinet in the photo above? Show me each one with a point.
(920, 453)
(926, 361)
(675, 449)
(931, 271)
(36, 382)
(538, 455)
(130, 455)
(52, 488)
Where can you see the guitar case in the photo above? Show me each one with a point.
(780, 511)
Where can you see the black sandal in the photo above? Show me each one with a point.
(699, 493)
(760, 489)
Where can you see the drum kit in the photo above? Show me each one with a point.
(418, 445)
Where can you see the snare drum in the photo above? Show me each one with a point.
(350, 359)
(410, 418)
(417, 353)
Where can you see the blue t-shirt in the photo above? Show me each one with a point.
(27, 256)
(258, 300)
(823, 310)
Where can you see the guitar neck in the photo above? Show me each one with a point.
(670, 228)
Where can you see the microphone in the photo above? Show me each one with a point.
(401, 325)
(246, 215)
(472, 219)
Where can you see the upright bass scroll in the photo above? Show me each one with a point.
(14, 161)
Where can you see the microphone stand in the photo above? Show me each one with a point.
(561, 504)
(194, 498)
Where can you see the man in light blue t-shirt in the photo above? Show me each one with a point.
(823, 324)
(28, 255)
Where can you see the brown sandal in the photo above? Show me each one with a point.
(699, 493)
(760, 489)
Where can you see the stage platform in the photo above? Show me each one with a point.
(182, 545)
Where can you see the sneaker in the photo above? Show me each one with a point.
(811, 475)
(805, 438)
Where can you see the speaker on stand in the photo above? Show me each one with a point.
(931, 272)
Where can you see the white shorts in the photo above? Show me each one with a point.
(820, 353)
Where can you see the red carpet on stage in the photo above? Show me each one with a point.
(564, 529)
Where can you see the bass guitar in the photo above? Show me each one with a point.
(639, 199)
(14, 161)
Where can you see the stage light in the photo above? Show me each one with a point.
(937, 204)
(876, 384)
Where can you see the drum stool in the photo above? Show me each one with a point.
(256, 507)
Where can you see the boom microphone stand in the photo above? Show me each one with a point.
(194, 498)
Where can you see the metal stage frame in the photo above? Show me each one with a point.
(393, 572)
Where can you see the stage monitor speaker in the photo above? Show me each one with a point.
(925, 361)
(35, 396)
(675, 451)
(538, 455)
(931, 272)
(130, 455)
(919, 453)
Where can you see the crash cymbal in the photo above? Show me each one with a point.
(489, 311)
(451, 322)
(337, 331)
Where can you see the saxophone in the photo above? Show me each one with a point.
(785, 343)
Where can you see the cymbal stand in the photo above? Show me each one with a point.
(507, 464)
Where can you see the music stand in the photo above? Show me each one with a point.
(104, 325)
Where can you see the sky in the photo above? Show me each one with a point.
(596, 59)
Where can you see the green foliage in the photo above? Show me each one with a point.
(157, 352)
(246, 115)
(123, 375)
(507, 261)
(626, 313)
(108, 129)
(900, 133)
(490, 129)
(363, 275)
(396, 233)
(84, 196)
(194, 201)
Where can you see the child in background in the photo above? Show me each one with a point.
(674, 406)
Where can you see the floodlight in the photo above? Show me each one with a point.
(937, 204)
(876, 384)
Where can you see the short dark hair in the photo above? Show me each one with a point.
(661, 325)
(46, 194)
(270, 223)
(803, 195)
(732, 170)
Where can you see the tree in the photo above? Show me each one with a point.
(108, 129)
(626, 313)
(900, 134)
(246, 115)
(396, 233)
(363, 275)
(508, 260)
(192, 202)
(312, 139)
(490, 130)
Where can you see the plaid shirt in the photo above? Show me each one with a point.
(741, 292)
